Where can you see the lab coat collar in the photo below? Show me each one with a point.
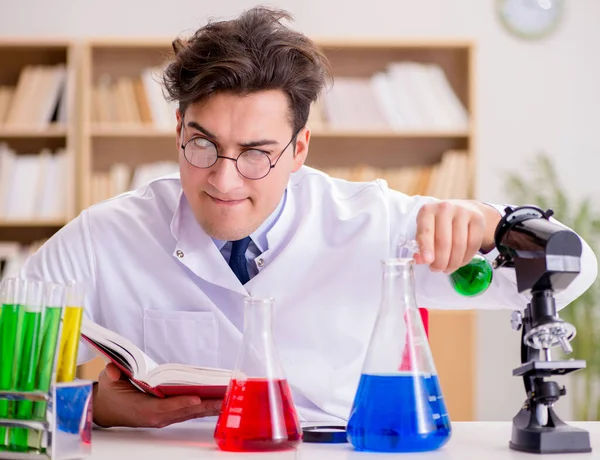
(198, 252)
(278, 237)
(259, 236)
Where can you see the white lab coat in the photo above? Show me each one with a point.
(155, 277)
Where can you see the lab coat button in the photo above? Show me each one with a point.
(260, 262)
(179, 253)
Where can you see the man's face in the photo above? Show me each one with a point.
(227, 205)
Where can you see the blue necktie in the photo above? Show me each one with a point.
(237, 261)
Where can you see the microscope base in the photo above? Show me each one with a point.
(555, 437)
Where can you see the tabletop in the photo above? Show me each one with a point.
(194, 440)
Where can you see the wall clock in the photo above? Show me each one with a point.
(530, 19)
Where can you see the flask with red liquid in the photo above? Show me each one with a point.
(258, 413)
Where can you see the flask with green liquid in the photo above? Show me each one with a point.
(469, 280)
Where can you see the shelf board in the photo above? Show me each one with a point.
(385, 134)
(53, 131)
(148, 131)
(130, 131)
(391, 43)
(31, 223)
(34, 42)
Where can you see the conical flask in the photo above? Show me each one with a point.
(470, 280)
(399, 406)
(258, 412)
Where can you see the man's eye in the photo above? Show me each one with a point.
(203, 143)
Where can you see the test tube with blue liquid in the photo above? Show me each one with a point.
(399, 405)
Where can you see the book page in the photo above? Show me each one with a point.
(138, 361)
(181, 374)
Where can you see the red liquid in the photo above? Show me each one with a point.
(258, 415)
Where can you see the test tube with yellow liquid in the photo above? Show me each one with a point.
(69, 339)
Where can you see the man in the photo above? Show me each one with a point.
(168, 265)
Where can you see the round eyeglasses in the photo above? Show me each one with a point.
(253, 164)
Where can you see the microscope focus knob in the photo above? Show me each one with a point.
(516, 319)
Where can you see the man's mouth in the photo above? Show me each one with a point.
(226, 201)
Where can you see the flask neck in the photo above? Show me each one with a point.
(258, 320)
(258, 356)
(398, 284)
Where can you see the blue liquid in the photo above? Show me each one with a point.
(398, 413)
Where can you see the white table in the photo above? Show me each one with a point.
(193, 440)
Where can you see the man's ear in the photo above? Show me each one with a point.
(302, 142)
(178, 128)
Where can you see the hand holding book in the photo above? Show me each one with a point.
(117, 402)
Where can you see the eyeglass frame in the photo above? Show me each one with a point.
(271, 165)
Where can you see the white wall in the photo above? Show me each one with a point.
(531, 96)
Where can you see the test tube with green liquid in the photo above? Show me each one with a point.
(11, 323)
(54, 299)
(470, 280)
(30, 349)
(69, 340)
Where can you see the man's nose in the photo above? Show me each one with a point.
(224, 175)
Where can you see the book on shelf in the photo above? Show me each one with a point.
(447, 179)
(38, 98)
(132, 101)
(35, 186)
(121, 178)
(160, 380)
(13, 255)
(405, 96)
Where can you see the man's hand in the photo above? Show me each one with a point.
(118, 403)
(450, 233)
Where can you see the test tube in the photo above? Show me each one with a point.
(11, 322)
(30, 340)
(54, 300)
(69, 340)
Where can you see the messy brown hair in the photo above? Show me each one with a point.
(251, 53)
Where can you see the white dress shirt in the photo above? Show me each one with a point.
(154, 276)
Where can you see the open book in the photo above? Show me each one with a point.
(158, 379)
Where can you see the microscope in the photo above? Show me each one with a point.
(546, 258)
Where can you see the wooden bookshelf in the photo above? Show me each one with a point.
(106, 141)
(37, 102)
(336, 148)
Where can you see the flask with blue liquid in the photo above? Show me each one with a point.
(399, 405)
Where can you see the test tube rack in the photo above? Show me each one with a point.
(67, 428)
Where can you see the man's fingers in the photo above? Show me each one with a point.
(460, 232)
(208, 408)
(173, 404)
(183, 418)
(112, 372)
(443, 236)
(425, 235)
(473, 242)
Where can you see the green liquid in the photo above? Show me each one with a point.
(474, 278)
(46, 361)
(11, 321)
(26, 375)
